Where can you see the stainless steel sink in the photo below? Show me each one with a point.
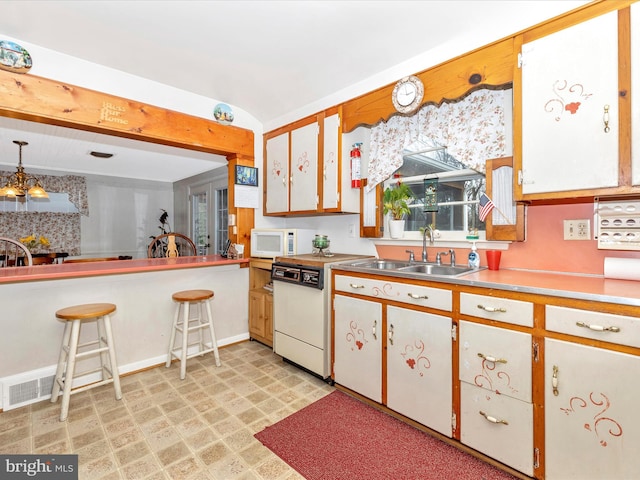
(398, 268)
(382, 264)
(432, 269)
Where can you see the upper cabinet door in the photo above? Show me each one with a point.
(331, 162)
(635, 86)
(277, 174)
(304, 168)
(570, 108)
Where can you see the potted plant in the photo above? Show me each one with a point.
(396, 203)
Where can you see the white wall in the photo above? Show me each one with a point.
(141, 324)
(123, 215)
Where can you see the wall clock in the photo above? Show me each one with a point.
(407, 94)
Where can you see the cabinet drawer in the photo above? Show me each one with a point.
(496, 359)
(504, 429)
(599, 326)
(398, 292)
(505, 310)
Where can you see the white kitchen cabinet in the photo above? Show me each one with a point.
(358, 346)
(304, 168)
(498, 426)
(591, 421)
(411, 294)
(331, 163)
(304, 172)
(419, 348)
(276, 174)
(570, 109)
(496, 410)
(514, 312)
(291, 171)
(496, 359)
(635, 87)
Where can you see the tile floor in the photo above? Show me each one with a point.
(163, 428)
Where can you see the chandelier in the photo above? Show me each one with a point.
(20, 184)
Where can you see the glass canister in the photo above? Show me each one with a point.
(321, 242)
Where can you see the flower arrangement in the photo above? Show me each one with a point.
(32, 242)
(396, 200)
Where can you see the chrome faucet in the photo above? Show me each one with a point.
(412, 257)
(427, 228)
(451, 252)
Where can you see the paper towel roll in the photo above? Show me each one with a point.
(622, 268)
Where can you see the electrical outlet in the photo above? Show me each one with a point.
(577, 229)
(352, 230)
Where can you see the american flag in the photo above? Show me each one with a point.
(485, 206)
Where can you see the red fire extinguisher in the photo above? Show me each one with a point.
(356, 174)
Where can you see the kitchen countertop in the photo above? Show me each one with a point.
(311, 259)
(582, 287)
(88, 269)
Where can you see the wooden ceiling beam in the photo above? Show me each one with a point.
(42, 100)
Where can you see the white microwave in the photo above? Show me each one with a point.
(280, 242)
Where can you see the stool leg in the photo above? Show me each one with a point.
(214, 342)
(71, 366)
(185, 338)
(103, 342)
(176, 316)
(113, 363)
(62, 360)
(201, 324)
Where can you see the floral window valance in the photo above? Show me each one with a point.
(473, 130)
(74, 185)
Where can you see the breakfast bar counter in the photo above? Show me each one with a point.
(112, 267)
(142, 292)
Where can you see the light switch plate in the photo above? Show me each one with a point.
(577, 229)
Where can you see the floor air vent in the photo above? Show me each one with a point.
(26, 392)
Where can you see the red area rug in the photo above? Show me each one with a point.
(339, 437)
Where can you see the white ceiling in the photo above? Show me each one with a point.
(268, 58)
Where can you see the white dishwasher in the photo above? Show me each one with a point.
(301, 310)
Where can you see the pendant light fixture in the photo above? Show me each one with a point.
(20, 184)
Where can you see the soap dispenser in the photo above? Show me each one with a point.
(474, 258)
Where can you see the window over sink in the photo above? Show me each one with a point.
(445, 192)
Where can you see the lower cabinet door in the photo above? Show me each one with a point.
(498, 426)
(358, 346)
(592, 429)
(419, 367)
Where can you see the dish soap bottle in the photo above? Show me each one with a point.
(474, 258)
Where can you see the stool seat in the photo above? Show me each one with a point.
(186, 325)
(192, 295)
(86, 312)
(72, 350)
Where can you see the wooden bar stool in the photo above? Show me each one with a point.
(187, 325)
(69, 353)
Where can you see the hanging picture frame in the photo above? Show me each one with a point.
(246, 176)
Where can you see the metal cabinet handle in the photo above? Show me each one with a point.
(418, 297)
(489, 358)
(554, 381)
(598, 328)
(605, 119)
(375, 324)
(391, 334)
(492, 309)
(284, 181)
(355, 285)
(493, 419)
